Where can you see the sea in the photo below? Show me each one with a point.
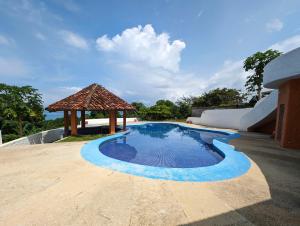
(53, 115)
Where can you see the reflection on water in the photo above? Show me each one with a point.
(164, 145)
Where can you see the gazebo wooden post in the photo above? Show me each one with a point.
(66, 123)
(112, 121)
(124, 120)
(116, 119)
(82, 118)
(73, 122)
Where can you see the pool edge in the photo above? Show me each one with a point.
(234, 164)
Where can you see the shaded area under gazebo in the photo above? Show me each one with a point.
(92, 98)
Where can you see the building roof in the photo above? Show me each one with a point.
(94, 97)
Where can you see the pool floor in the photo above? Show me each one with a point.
(116, 155)
(165, 145)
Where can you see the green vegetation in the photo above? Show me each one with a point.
(256, 64)
(182, 108)
(21, 111)
(53, 123)
(82, 138)
(163, 110)
(220, 98)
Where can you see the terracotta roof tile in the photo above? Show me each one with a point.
(93, 97)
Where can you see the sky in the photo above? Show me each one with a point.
(140, 50)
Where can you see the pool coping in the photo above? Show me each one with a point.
(234, 164)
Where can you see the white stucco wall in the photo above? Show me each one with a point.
(261, 110)
(239, 119)
(48, 136)
(282, 68)
(221, 118)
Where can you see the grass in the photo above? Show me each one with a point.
(82, 137)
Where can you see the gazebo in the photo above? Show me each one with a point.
(92, 98)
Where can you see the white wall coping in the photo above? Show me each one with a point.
(220, 118)
(282, 69)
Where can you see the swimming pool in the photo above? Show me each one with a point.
(165, 145)
(169, 151)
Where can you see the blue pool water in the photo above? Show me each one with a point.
(165, 145)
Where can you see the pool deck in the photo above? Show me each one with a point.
(51, 184)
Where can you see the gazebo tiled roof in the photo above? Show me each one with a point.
(94, 97)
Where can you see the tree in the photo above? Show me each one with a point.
(220, 98)
(256, 63)
(21, 107)
(159, 112)
(98, 114)
(140, 110)
(184, 107)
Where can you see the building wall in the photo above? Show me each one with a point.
(262, 109)
(288, 114)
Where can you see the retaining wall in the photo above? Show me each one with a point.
(48, 136)
(220, 118)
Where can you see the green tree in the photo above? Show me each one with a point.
(184, 107)
(220, 98)
(138, 105)
(98, 114)
(159, 112)
(256, 63)
(20, 107)
(172, 107)
(140, 110)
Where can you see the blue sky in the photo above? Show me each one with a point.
(141, 50)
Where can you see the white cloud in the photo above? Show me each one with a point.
(287, 44)
(150, 84)
(200, 13)
(142, 45)
(143, 81)
(274, 25)
(40, 36)
(71, 89)
(70, 6)
(33, 12)
(5, 40)
(57, 93)
(74, 40)
(231, 75)
(12, 68)
(149, 65)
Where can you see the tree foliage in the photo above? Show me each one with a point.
(256, 64)
(163, 109)
(184, 107)
(21, 110)
(220, 98)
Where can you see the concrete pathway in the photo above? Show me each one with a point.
(51, 184)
